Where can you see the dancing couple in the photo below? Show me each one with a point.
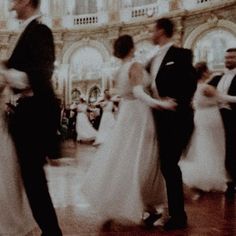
(150, 134)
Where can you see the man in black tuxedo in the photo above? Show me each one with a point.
(226, 84)
(173, 76)
(37, 114)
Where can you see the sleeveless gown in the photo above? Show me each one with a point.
(107, 123)
(84, 129)
(16, 218)
(125, 179)
(203, 166)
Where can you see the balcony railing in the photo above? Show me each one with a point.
(86, 20)
(195, 4)
(134, 13)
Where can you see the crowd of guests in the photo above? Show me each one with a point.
(89, 122)
(172, 121)
(203, 150)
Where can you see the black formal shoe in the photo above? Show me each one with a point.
(175, 223)
(151, 219)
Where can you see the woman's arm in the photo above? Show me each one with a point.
(226, 98)
(136, 74)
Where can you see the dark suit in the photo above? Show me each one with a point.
(229, 120)
(36, 120)
(176, 79)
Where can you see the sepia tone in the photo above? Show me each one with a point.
(84, 32)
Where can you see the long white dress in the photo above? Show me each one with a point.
(125, 177)
(107, 123)
(16, 217)
(84, 129)
(203, 166)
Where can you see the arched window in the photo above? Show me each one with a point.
(75, 94)
(211, 47)
(86, 63)
(94, 93)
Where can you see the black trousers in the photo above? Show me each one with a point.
(174, 132)
(29, 131)
(229, 119)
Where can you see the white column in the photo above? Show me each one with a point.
(45, 7)
(56, 8)
(114, 10)
(70, 6)
(100, 5)
(4, 9)
(126, 3)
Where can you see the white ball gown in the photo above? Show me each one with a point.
(107, 123)
(203, 166)
(16, 217)
(84, 129)
(125, 178)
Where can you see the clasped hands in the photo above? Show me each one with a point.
(167, 103)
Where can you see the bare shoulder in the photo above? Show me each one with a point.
(136, 73)
(135, 68)
(209, 90)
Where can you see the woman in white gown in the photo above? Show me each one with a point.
(84, 128)
(16, 217)
(203, 166)
(108, 120)
(124, 179)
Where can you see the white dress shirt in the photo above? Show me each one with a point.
(26, 22)
(156, 63)
(225, 82)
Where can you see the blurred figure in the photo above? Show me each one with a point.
(84, 129)
(172, 76)
(203, 166)
(107, 121)
(226, 84)
(36, 118)
(16, 217)
(125, 180)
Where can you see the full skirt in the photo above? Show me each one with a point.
(125, 178)
(16, 217)
(203, 166)
(84, 129)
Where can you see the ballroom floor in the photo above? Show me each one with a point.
(210, 215)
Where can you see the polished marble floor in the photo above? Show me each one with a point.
(210, 215)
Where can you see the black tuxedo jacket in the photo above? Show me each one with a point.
(232, 89)
(176, 77)
(37, 118)
(34, 55)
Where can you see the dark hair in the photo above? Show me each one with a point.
(122, 46)
(201, 67)
(167, 25)
(231, 50)
(35, 3)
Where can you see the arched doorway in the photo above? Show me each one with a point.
(210, 40)
(86, 60)
(75, 95)
(94, 94)
(211, 47)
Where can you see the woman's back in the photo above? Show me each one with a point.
(124, 87)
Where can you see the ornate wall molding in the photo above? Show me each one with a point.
(212, 23)
(142, 36)
(85, 42)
